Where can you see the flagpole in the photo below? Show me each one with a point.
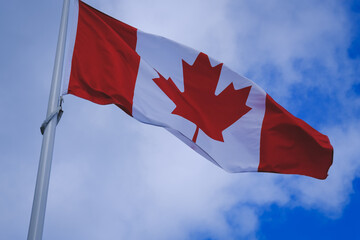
(42, 181)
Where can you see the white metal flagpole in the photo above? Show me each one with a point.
(42, 181)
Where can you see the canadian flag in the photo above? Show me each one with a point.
(223, 116)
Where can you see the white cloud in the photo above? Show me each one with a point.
(155, 186)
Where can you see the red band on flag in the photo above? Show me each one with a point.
(105, 64)
(289, 145)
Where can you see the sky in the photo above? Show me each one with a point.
(115, 178)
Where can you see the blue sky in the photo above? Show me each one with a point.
(115, 178)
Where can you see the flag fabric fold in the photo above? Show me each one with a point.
(223, 116)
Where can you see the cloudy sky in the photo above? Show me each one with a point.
(115, 178)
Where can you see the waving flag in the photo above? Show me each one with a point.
(223, 116)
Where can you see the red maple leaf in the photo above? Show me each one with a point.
(199, 104)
